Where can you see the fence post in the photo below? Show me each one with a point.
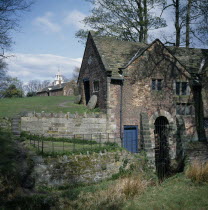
(100, 141)
(38, 142)
(42, 146)
(52, 145)
(91, 141)
(74, 144)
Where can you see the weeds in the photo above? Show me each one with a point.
(197, 172)
(114, 196)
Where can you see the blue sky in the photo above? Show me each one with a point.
(46, 41)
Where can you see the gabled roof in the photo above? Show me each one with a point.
(117, 54)
(53, 88)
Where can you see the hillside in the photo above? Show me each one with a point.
(12, 106)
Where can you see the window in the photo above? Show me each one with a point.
(182, 88)
(205, 123)
(96, 86)
(156, 84)
(184, 109)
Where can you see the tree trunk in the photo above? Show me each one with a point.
(188, 23)
(145, 21)
(177, 22)
(141, 20)
(196, 87)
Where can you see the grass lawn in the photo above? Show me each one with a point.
(177, 192)
(12, 106)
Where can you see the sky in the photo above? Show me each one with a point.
(46, 43)
(46, 40)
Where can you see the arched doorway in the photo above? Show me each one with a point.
(162, 159)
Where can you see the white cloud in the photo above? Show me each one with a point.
(46, 23)
(75, 18)
(41, 66)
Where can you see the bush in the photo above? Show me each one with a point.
(31, 94)
(197, 172)
(12, 92)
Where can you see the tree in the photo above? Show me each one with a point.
(34, 86)
(12, 91)
(75, 74)
(10, 11)
(126, 19)
(3, 77)
(190, 21)
(196, 86)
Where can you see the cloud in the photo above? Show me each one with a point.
(46, 23)
(41, 66)
(75, 18)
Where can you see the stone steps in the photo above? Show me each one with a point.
(16, 126)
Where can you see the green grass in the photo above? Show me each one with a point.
(12, 106)
(177, 192)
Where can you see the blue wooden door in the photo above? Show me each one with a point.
(130, 141)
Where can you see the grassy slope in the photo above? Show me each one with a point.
(10, 107)
(176, 192)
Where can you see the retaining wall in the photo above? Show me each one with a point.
(66, 125)
(65, 170)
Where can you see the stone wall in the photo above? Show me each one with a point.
(65, 170)
(196, 151)
(66, 125)
(138, 97)
(92, 69)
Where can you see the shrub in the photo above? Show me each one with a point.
(197, 172)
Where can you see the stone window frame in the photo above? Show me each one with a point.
(182, 88)
(184, 109)
(156, 84)
(96, 86)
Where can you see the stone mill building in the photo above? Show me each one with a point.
(144, 89)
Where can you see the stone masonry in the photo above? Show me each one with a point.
(66, 125)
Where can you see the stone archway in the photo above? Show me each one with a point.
(171, 135)
(162, 159)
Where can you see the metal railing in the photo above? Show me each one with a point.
(75, 143)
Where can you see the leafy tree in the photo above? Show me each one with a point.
(126, 19)
(12, 91)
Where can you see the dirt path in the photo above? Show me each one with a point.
(63, 104)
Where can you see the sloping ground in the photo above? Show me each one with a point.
(176, 192)
(10, 107)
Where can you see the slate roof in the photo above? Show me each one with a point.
(117, 54)
(191, 58)
(53, 88)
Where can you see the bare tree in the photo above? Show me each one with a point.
(191, 20)
(75, 74)
(10, 11)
